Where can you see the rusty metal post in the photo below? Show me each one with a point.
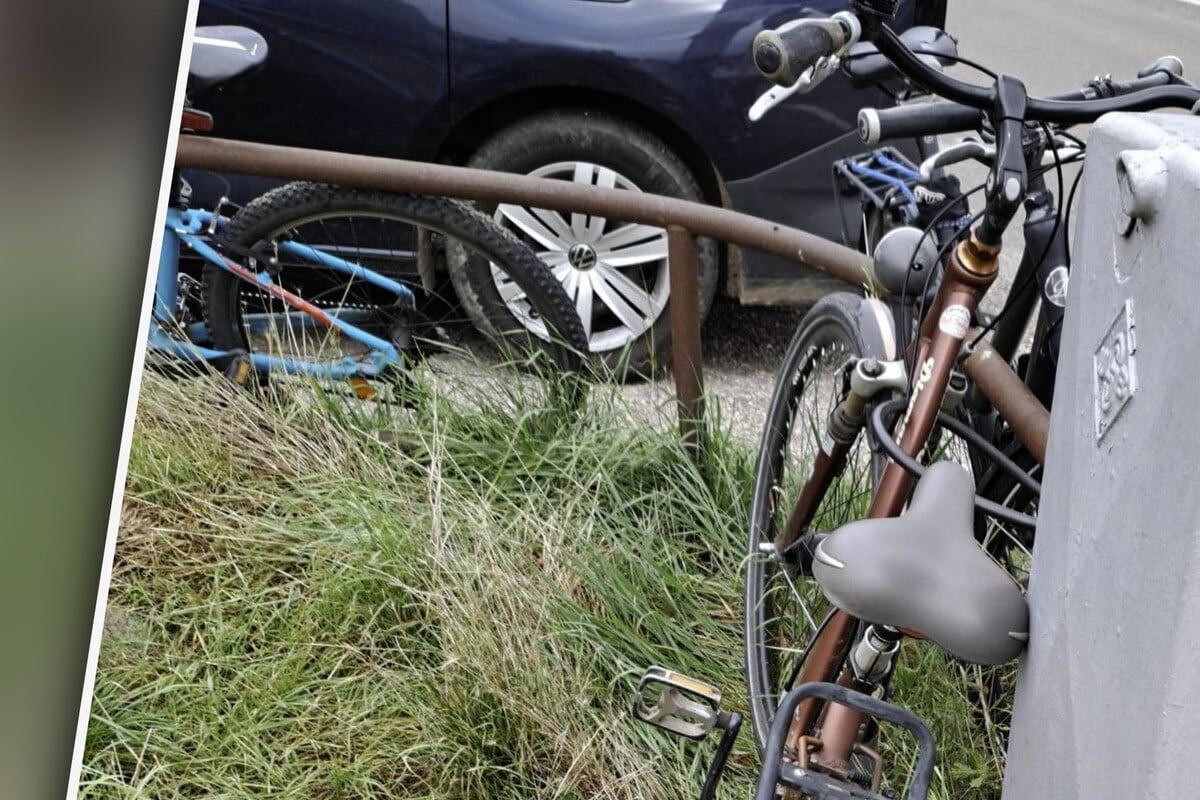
(1024, 413)
(685, 332)
(395, 175)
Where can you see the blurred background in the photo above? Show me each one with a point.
(85, 106)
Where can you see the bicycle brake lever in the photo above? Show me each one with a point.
(808, 80)
(771, 98)
(967, 148)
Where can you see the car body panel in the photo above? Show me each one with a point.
(798, 193)
(687, 61)
(365, 77)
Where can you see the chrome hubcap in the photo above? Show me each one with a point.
(615, 272)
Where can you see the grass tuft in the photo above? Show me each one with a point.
(316, 599)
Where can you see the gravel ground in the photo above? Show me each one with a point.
(741, 348)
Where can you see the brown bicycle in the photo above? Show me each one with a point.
(865, 528)
(877, 540)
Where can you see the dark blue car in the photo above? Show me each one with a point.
(647, 95)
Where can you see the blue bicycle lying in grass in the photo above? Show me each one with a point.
(309, 279)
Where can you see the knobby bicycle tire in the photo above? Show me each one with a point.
(783, 610)
(383, 231)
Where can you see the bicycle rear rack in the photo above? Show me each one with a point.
(820, 786)
(878, 176)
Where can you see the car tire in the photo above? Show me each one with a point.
(625, 301)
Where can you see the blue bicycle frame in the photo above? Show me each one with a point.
(191, 228)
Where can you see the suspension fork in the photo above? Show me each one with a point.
(868, 377)
(970, 272)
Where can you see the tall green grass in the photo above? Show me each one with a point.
(314, 599)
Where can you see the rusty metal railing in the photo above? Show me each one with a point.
(683, 220)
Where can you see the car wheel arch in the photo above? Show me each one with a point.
(474, 128)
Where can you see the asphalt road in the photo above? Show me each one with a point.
(1052, 47)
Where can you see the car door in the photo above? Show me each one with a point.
(358, 76)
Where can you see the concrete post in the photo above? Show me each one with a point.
(1108, 700)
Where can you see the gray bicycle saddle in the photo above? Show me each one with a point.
(924, 572)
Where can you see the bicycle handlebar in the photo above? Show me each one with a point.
(783, 57)
(783, 54)
(926, 119)
(786, 53)
(1153, 87)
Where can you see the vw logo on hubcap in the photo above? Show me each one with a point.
(582, 256)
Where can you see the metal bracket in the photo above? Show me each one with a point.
(956, 390)
(872, 376)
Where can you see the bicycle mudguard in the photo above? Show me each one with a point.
(878, 327)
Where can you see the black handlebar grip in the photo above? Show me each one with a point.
(782, 56)
(925, 119)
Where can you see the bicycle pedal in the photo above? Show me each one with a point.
(676, 703)
(363, 389)
(239, 369)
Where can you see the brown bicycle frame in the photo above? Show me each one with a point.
(970, 272)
